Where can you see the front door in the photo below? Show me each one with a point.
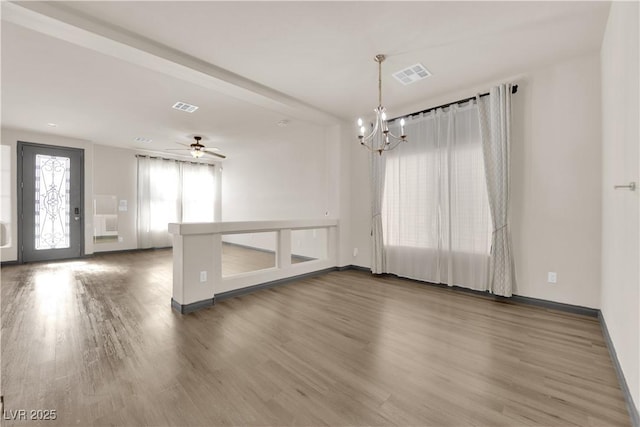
(50, 189)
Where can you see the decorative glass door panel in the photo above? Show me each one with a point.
(50, 188)
(52, 209)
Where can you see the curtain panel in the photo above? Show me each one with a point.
(495, 123)
(378, 259)
(158, 196)
(434, 205)
(171, 191)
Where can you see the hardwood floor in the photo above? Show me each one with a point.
(97, 341)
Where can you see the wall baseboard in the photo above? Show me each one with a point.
(631, 407)
(569, 308)
(354, 267)
(190, 308)
(127, 251)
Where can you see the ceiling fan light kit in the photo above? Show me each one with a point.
(380, 138)
(197, 149)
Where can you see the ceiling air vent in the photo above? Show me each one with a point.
(412, 74)
(183, 106)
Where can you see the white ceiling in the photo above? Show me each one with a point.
(111, 72)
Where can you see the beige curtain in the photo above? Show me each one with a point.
(377, 190)
(495, 126)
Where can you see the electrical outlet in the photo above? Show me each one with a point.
(203, 276)
(552, 277)
(120, 239)
(355, 252)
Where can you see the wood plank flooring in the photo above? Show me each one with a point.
(97, 341)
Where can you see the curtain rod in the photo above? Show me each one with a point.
(174, 160)
(514, 89)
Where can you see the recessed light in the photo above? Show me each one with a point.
(183, 106)
(53, 125)
(142, 139)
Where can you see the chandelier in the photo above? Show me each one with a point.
(380, 139)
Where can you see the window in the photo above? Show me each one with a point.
(198, 192)
(172, 191)
(435, 210)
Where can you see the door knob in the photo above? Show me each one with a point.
(631, 186)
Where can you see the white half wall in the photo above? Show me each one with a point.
(556, 174)
(620, 208)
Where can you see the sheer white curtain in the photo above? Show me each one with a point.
(435, 212)
(158, 200)
(198, 192)
(495, 121)
(171, 191)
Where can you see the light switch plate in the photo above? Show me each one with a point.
(552, 277)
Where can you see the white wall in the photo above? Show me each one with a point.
(283, 176)
(108, 171)
(289, 174)
(294, 173)
(341, 142)
(10, 137)
(556, 170)
(115, 174)
(620, 163)
(6, 171)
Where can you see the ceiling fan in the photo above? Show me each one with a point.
(198, 150)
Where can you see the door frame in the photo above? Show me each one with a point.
(19, 146)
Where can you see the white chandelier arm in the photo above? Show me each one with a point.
(373, 132)
(394, 136)
(394, 144)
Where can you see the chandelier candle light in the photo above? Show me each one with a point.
(380, 139)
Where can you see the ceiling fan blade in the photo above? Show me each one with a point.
(177, 149)
(211, 153)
